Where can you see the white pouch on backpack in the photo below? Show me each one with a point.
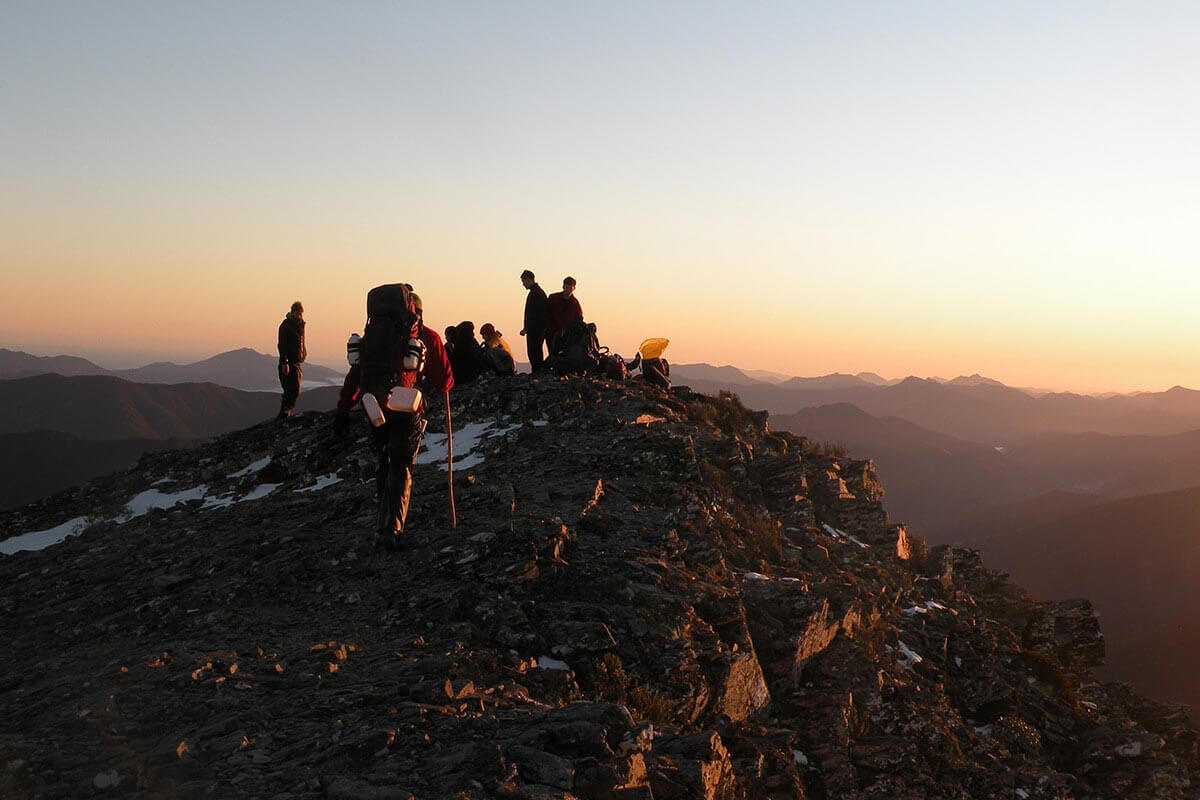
(374, 412)
(404, 398)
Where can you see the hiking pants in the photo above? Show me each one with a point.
(533, 343)
(290, 383)
(397, 442)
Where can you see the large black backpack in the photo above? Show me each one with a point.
(391, 324)
(575, 350)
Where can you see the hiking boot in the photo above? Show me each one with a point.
(387, 540)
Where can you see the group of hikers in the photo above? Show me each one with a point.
(398, 361)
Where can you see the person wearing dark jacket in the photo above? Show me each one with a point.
(399, 438)
(291, 355)
(468, 358)
(537, 320)
(564, 308)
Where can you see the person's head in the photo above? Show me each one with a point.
(487, 330)
(466, 328)
(568, 286)
(298, 310)
(414, 300)
(527, 279)
(450, 333)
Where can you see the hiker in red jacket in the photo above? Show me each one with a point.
(398, 440)
(564, 308)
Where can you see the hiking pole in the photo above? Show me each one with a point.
(450, 461)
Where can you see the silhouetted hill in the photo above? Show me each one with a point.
(684, 373)
(37, 464)
(999, 520)
(100, 407)
(16, 364)
(983, 412)
(1137, 559)
(244, 369)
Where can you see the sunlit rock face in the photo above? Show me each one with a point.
(649, 594)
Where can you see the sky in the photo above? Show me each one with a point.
(928, 188)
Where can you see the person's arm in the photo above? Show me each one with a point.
(350, 391)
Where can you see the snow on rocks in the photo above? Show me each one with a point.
(39, 540)
(323, 482)
(143, 502)
(546, 662)
(257, 466)
(467, 440)
(908, 657)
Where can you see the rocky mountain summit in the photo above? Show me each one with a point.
(649, 595)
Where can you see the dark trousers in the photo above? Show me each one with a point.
(533, 343)
(397, 443)
(290, 383)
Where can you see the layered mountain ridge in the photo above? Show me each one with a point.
(649, 595)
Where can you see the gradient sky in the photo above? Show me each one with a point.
(927, 188)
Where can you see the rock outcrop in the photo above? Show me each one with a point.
(649, 595)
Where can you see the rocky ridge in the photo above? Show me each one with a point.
(649, 595)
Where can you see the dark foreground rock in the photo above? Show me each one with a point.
(649, 595)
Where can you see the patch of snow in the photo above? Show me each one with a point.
(756, 576)
(540, 423)
(466, 440)
(161, 481)
(323, 482)
(908, 657)
(546, 662)
(257, 466)
(857, 541)
(226, 500)
(142, 503)
(40, 540)
(790, 579)
(1001, 449)
(259, 492)
(916, 610)
(218, 501)
(957, 661)
(983, 730)
(1021, 793)
(800, 758)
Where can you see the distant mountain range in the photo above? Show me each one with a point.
(239, 369)
(56, 431)
(972, 409)
(100, 407)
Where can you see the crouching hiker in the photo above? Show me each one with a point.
(399, 357)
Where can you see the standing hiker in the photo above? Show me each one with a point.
(564, 309)
(537, 319)
(400, 358)
(291, 356)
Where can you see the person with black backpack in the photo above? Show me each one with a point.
(398, 358)
(291, 356)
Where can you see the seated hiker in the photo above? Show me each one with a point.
(655, 368)
(382, 369)
(498, 351)
(468, 358)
